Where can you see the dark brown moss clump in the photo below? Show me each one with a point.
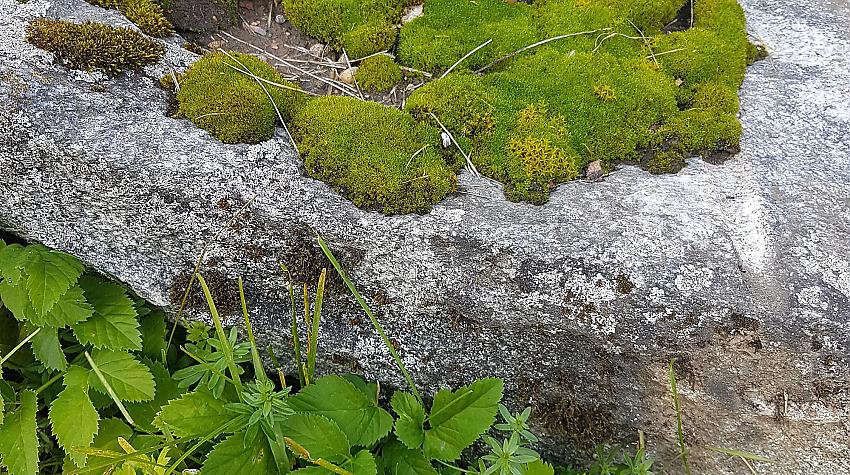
(94, 46)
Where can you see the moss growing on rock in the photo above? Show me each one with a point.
(376, 156)
(230, 104)
(361, 27)
(626, 93)
(94, 46)
(450, 28)
(146, 14)
(378, 73)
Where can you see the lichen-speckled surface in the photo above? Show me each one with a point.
(741, 270)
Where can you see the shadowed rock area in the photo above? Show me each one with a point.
(740, 270)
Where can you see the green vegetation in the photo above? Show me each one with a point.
(120, 399)
(218, 96)
(376, 156)
(146, 14)
(378, 73)
(360, 27)
(626, 93)
(94, 46)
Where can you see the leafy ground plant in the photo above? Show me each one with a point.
(128, 403)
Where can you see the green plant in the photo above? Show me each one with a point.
(378, 73)
(77, 328)
(615, 461)
(677, 406)
(219, 94)
(94, 46)
(359, 27)
(376, 156)
(146, 14)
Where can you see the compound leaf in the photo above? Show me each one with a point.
(144, 413)
(458, 418)
(73, 416)
(399, 460)
(71, 308)
(336, 398)
(363, 464)
(18, 438)
(113, 325)
(131, 380)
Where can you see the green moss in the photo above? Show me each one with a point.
(451, 28)
(94, 46)
(146, 14)
(600, 96)
(361, 27)
(230, 104)
(378, 73)
(368, 152)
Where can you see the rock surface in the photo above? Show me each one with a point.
(740, 270)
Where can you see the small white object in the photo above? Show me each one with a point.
(447, 141)
(279, 19)
(347, 76)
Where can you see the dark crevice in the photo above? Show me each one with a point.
(683, 20)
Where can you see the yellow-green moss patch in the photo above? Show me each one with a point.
(230, 104)
(361, 27)
(627, 92)
(146, 14)
(378, 73)
(94, 46)
(376, 156)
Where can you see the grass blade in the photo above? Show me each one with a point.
(259, 371)
(109, 389)
(371, 316)
(296, 339)
(219, 329)
(314, 332)
(683, 450)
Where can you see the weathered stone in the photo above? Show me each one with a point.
(740, 270)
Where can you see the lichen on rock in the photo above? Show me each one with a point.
(94, 46)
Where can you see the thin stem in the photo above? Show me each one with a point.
(19, 346)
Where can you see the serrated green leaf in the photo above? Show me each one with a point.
(49, 275)
(47, 350)
(109, 431)
(144, 413)
(362, 421)
(11, 262)
(399, 460)
(72, 415)
(113, 325)
(363, 463)
(130, 379)
(153, 329)
(319, 435)
(538, 467)
(458, 418)
(71, 308)
(196, 413)
(18, 438)
(15, 298)
(231, 457)
(409, 427)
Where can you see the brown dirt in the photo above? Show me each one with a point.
(254, 31)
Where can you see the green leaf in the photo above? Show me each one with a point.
(538, 467)
(409, 427)
(49, 275)
(153, 331)
(131, 380)
(18, 439)
(363, 464)
(362, 421)
(71, 308)
(46, 348)
(73, 416)
(231, 457)
(11, 262)
(113, 325)
(107, 439)
(399, 460)
(458, 418)
(319, 435)
(15, 298)
(194, 414)
(144, 413)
